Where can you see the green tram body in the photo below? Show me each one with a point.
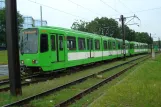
(54, 48)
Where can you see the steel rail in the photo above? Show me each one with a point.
(28, 99)
(6, 81)
(27, 83)
(35, 81)
(89, 90)
(32, 82)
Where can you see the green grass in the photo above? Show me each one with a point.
(33, 89)
(65, 94)
(3, 57)
(3, 77)
(140, 89)
(88, 99)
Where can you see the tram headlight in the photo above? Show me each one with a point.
(34, 61)
(22, 62)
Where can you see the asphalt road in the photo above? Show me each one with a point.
(3, 70)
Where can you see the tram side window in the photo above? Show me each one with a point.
(127, 47)
(131, 46)
(97, 45)
(89, 44)
(44, 43)
(81, 44)
(109, 45)
(114, 46)
(61, 42)
(52, 42)
(119, 45)
(105, 45)
(71, 43)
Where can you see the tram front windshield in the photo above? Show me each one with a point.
(29, 41)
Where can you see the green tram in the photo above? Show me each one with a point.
(52, 48)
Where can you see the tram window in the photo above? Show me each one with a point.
(109, 45)
(52, 42)
(81, 44)
(71, 43)
(114, 46)
(105, 45)
(131, 46)
(89, 44)
(119, 46)
(44, 43)
(127, 47)
(61, 42)
(97, 44)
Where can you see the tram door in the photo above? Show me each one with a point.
(57, 48)
(53, 52)
(60, 48)
(90, 47)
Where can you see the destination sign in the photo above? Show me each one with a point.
(30, 32)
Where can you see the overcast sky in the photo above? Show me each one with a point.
(63, 13)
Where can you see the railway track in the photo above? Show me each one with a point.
(6, 81)
(51, 76)
(71, 100)
(41, 79)
(96, 86)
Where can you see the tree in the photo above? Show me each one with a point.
(104, 26)
(3, 25)
(110, 27)
(80, 25)
(143, 37)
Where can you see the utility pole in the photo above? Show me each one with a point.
(122, 19)
(41, 15)
(13, 48)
